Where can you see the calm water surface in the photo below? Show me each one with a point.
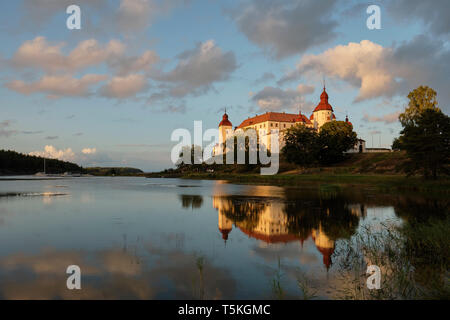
(174, 239)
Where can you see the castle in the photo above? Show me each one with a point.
(271, 123)
(272, 223)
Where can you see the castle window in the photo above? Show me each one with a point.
(276, 124)
(271, 124)
(284, 126)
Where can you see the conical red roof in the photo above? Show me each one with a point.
(225, 121)
(323, 104)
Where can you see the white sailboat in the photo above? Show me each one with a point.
(42, 174)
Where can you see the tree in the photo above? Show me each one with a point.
(426, 141)
(196, 156)
(300, 145)
(420, 99)
(334, 139)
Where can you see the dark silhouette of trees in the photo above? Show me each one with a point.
(425, 136)
(12, 162)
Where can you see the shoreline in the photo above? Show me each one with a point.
(378, 181)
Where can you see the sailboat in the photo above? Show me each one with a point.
(42, 174)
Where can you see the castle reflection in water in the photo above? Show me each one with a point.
(289, 219)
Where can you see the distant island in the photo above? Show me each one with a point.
(112, 171)
(15, 163)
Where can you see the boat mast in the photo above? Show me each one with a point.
(44, 165)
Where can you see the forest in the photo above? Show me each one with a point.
(12, 162)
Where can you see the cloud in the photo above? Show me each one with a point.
(134, 14)
(305, 89)
(89, 150)
(51, 137)
(387, 118)
(4, 128)
(53, 153)
(124, 87)
(379, 71)
(125, 17)
(198, 69)
(286, 28)
(137, 15)
(277, 99)
(57, 85)
(37, 13)
(267, 76)
(143, 63)
(434, 17)
(40, 54)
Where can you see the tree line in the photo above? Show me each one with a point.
(12, 162)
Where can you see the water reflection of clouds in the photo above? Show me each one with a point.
(292, 251)
(112, 274)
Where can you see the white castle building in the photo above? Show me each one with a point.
(271, 123)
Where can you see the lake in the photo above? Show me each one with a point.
(139, 238)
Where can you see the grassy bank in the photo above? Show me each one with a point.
(380, 182)
(379, 170)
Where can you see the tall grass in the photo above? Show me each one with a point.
(277, 288)
(413, 260)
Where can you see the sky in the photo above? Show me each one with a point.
(112, 93)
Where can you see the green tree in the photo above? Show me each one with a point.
(426, 141)
(420, 99)
(334, 139)
(300, 145)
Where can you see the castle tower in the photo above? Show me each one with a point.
(225, 130)
(323, 113)
(225, 225)
(324, 244)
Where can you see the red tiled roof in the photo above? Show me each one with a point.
(274, 116)
(323, 104)
(225, 121)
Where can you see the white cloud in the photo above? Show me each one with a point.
(57, 86)
(40, 54)
(53, 153)
(379, 71)
(89, 150)
(363, 64)
(124, 87)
